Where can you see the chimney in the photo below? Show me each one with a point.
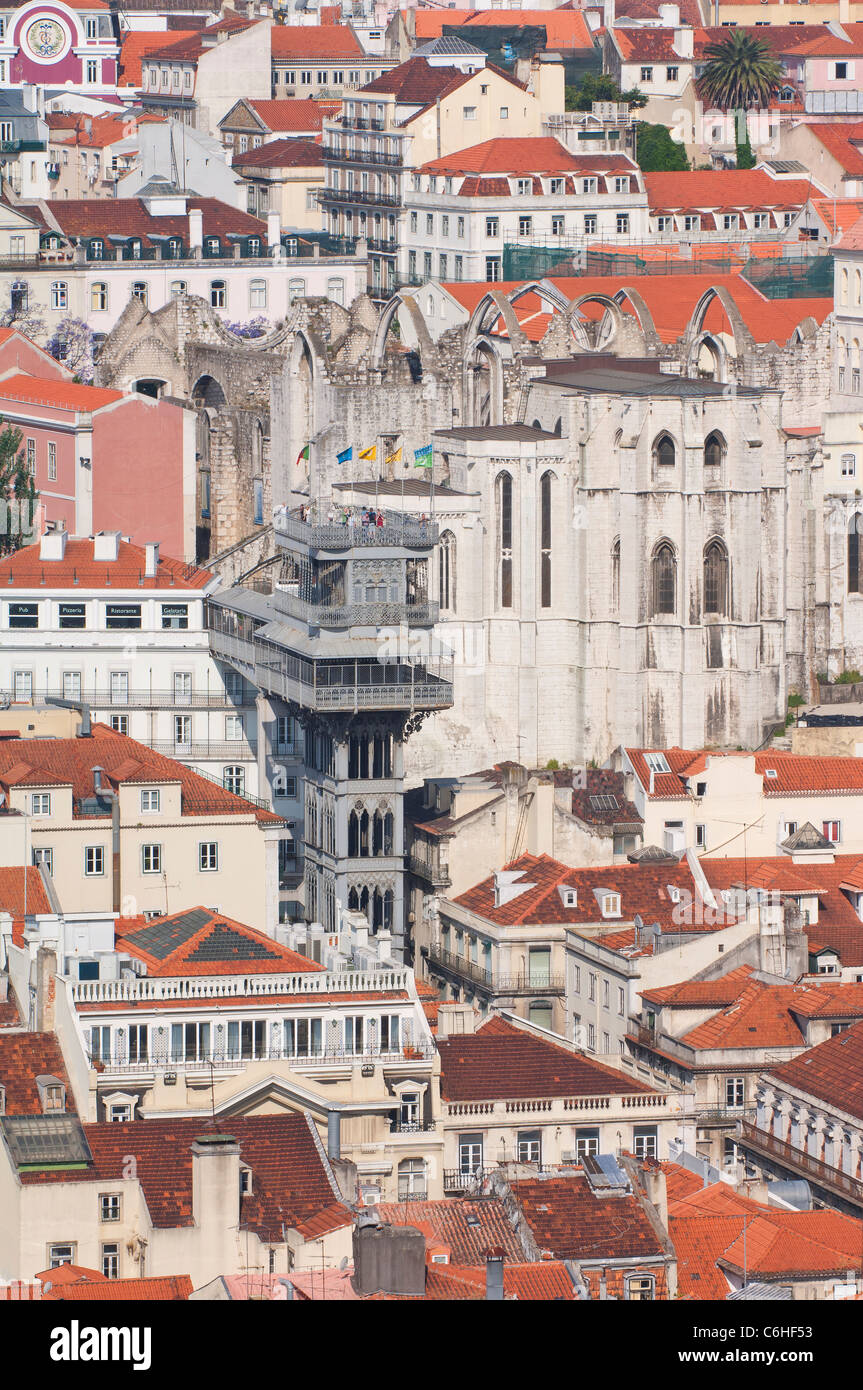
(603, 1287)
(151, 559)
(216, 1201)
(657, 1193)
(669, 15)
(274, 229)
(46, 989)
(684, 42)
(106, 546)
(97, 778)
(388, 1259)
(334, 1134)
(52, 544)
(196, 231)
(494, 1275)
(455, 1019)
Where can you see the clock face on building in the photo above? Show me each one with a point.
(46, 38)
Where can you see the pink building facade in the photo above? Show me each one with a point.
(59, 44)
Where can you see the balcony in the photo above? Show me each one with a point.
(430, 871)
(114, 1064)
(332, 154)
(363, 196)
(402, 529)
(241, 751)
(387, 248)
(723, 1116)
(462, 969)
(360, 123)
(832, 1180)
(144, 988)
(357, 614)
(142, 699)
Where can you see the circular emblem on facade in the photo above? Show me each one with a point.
(46, 38)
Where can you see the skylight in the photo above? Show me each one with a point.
(657, 762)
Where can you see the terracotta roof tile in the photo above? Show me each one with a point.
(525, 155)
(832, 1071)
(723, 189)
(23, 1057)
(73, 759)
(700, 994)
(129, 217)
(314, 41)
(197, 941)
(284, 114)
(290, 1184)
(567, 1218)
(501, 1061)
(138, 44)
(281, 154)
(469, 1228)
(157, 1288)
(78, 569)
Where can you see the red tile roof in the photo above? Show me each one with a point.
(71, 760)
(78, 569)
(290, 1183)
(825, 44)
(416, 82)
(299, 114)
(567, 1217)
(844, 142)
(795, 773)
(832, 1071)
(853, 238)
(282, 154)
(502, 1062)
(724, 189)
(182, 944)
(446, 1223)
(98, 132)
(760, 1017)
(23, 1057)
(13, 897)
(138, 44)
(700, 994)
(60, 395)
(129, 217)
(838, 925)
(157, 1288)
(563, 28)
(643, 889)
(192, 43)
(525, 155)
(289, 41)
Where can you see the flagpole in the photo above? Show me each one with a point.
(378, 460)
(404, 466)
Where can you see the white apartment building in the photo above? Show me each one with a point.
(120, 629)
(733, 805)
(465, 209)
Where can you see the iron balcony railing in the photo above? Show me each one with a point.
(140, 699)
(333, 153)
(358, 614)
(799, 1160)
(226, 1060)
(490, 983)
(420, 1127)
(399, 529)
(722, 1115)
(433, 873)
(240, 751)
(357, 195)
(360, 123)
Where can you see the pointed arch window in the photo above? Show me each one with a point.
(664, 579)
(664, 452)
(446, 571)
(855, 580)
(714, 451)
(545, 506)
(615, 576)
(503, 500)
(715, 578)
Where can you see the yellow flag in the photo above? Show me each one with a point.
(394, 458)
(367, 453)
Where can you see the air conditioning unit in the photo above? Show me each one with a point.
(569, 1157)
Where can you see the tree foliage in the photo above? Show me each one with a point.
(656, 152)
(596, 86)
(741, 72)
(745, 154)
(18, 495)
(256, 327)
(72, 344)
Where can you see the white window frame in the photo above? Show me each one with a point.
(93, 855)
(40, 804)
(208, 856)
(151, 799)
(151, 859)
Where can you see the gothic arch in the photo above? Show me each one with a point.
(208, 393)
(593, 335)
(642, 315)
(483, 383)
(739, 332)
(400, 303)
(707, 358)
(494, 305)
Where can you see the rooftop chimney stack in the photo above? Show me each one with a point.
(52, 545)
(196, 230)
(106, 546)
(494, 1276)
(151, 561)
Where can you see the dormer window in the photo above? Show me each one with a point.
(570, 897)
(150, 801)
(2, 1100)
(52, 1095)
(770, 772)
(673, 892)
(657, 762)
(245, 1182)
(610, 904)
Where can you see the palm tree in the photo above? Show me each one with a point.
(741, 72)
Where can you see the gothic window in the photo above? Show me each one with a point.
(664, 579)
(714, 451)
(503, 499)
(615, 576)
(715, 578)
(545, 499)
(664, 453)
(446, 571)
(855, 525)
